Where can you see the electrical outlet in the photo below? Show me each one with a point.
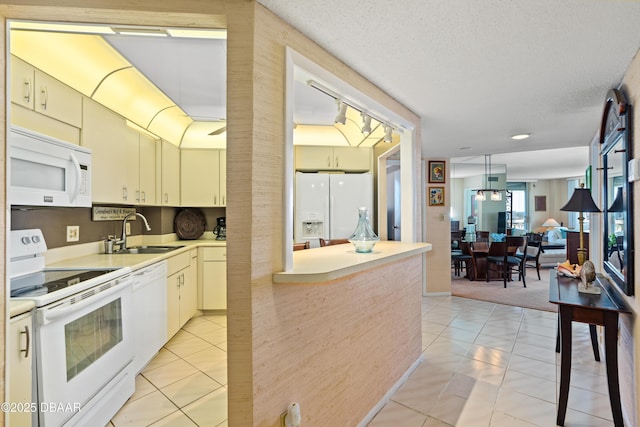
(73, 233)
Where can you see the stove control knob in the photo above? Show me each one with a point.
(25, 240)
(35, 239)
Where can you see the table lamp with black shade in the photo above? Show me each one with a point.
(581, 201)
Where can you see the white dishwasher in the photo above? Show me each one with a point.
(149, 312)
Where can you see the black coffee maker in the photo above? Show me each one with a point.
(220, 230)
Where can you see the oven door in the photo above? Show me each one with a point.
(84, 348)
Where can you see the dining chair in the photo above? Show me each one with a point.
(482, 236)
(301, 246)
(531, 256)
(502, 259)
(466, 256)
(327, 242)
(481, 246)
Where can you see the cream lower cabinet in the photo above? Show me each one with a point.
(182, 293)
(212, 278)
(20, 345)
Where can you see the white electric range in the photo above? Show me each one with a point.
(83, 347)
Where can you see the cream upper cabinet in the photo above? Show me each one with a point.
(22, 83)
(33, 89)
(170, 174)
(200, 177)
(223, 177)
(20, 347)
(212, 278)
(116, 155)
(149, 173)
(125, 162)
(309, 158)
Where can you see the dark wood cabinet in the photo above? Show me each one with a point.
(573, 243)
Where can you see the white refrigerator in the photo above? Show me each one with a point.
(326, 205)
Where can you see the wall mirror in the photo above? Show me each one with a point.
(617, 192)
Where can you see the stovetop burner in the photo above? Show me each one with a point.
(48, 281)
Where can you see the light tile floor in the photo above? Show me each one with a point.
(493, 365)
(186, 383)
(485, 364)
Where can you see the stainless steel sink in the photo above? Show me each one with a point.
(148, 249)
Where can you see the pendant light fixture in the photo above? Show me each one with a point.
(495, 195)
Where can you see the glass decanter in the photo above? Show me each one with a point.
(363, 238)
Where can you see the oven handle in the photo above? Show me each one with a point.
(56, 313)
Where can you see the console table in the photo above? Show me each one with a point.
(602, 310)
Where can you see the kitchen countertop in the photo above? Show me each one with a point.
(133, 261)
(332, 262)
(17, 307)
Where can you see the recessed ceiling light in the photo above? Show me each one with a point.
(521, 136)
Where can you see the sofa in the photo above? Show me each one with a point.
(554, 247)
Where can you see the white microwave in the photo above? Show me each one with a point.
(45, 171)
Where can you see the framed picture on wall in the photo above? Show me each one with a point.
(437, 172)
(540, 203)
(436, 196)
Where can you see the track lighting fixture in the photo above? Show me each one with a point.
(341, 117)
(366, 127)
(387, 133)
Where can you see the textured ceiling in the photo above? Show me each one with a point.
(478, 71)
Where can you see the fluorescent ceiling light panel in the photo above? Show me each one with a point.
(138, 31)
(171, 123)
(198, 33)
(56, 27)
(199, 135)
(521, 136)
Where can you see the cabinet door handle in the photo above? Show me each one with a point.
(166, 197)
(215, 200)
(28, 341)
(178, 280)
(144, 197)
(328, 161)
(45, 97)
(27, 90)
(337, 162)
(223, 200)
(137, 195)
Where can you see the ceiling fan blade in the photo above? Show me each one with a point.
(223, 129)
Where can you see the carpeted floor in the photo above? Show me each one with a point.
(535, 295)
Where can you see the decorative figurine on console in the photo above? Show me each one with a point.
(587, 276)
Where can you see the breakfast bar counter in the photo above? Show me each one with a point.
(333, 262)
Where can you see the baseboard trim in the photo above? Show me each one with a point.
(436, 294)
(378, 407)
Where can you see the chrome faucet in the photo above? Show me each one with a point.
(123, 239)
